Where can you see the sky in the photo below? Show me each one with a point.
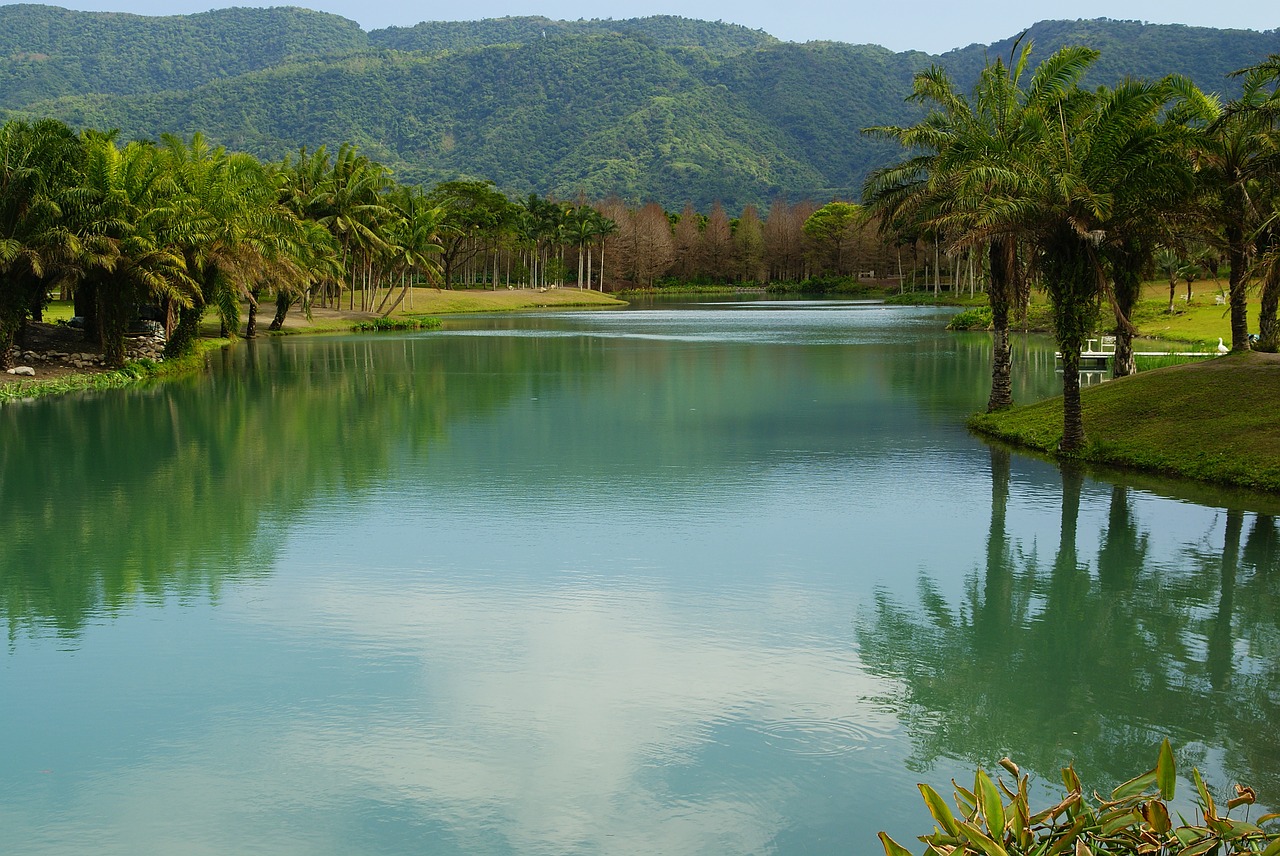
(933, 26)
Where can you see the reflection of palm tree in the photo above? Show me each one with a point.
(1220, 636)
(993, 617)
(1050, 668)
(1121, 544)
(1262, 548)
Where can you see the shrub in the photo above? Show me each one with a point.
(977, 318)
(382, 324)
(1135, 820)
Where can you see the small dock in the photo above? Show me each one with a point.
(1098, 350)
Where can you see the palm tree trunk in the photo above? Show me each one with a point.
(283, 302)
(251, 322)
(1236, 292)
(1003, 257)
(1268, 325)
(1072, 413)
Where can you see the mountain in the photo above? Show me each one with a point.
(46, 52)
(664, 108)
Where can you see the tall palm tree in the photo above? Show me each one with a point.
(965, 175)
(1265, 110)
(237, 237)
(129, 217)
(39, 163)
(604, 227)
(416, 243)
(1098, 156)
(1237, 160)
(580, 229)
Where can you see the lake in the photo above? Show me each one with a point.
(725, 577)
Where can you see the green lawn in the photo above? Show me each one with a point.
(1216, 420)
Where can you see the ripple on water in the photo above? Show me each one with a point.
(818, 737)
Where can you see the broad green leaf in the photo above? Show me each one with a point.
(1071, 780)
(1120, 820)
(967, 802)
(1157, 816)
(1206, 799)
(1136, 785)
(1199, 847)
(939, 809)
(1166, 771)
(1188, 834)
(981, 840)
(1066, 839)
(1273, 849)
(893, 848)
(992, 803)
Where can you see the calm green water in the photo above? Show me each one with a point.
(723, 578)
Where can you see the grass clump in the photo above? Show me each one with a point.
(1212, 421)
(977, 318)
(401, 323)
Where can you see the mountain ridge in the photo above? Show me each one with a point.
(663, 108)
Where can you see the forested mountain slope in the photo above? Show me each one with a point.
(663, 108)
(659, 31)
(46, 52)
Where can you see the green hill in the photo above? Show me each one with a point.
(662, 108)
(659, 31)
(46, 52)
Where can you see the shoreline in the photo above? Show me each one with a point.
(1212, 422)
(55, 379)
(1131, 428)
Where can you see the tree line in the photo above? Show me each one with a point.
(1087, 191)
(183, 227)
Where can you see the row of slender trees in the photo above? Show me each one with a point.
(188, 227)
(1080, 190)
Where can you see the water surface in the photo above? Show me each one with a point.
(717, 578)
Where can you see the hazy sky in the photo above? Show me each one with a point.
(930, 25)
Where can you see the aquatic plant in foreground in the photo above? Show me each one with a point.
(1135, 820)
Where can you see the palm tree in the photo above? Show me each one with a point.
(38, 166)
(417, 244)
(580, 229)
(1098, 156)
(1150, 209)
(603, 227)
(237, 237)
(128, 217)
(1237, 160)
(1266, 116)
(967, 176)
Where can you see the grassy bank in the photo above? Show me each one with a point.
(1214, 421)
(422, 307)
(1199, 322)
(135, 372)
(428, 301)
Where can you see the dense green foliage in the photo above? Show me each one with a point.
(1085, 188)
(1136, 819)
(659, 31)
(47, 52)
(664, 108)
